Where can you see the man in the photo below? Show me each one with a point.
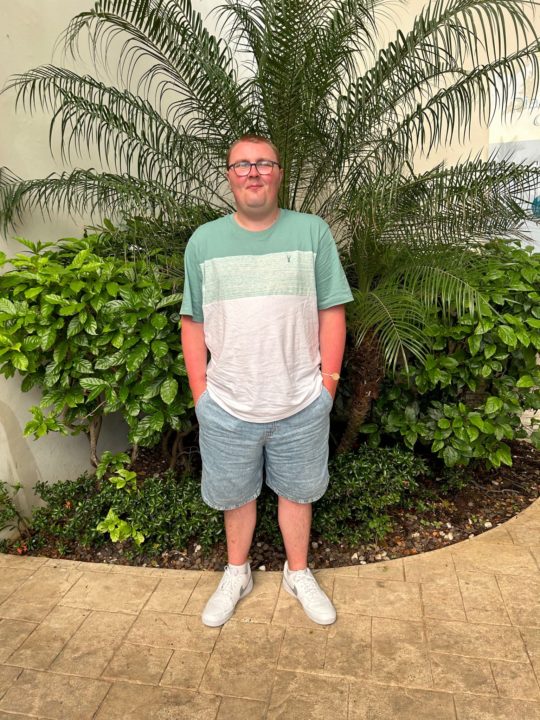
(264, 293)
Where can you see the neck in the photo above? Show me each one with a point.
(250, 222)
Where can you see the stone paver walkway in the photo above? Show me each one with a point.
(450, 635)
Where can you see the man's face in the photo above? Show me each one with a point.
(255, 194)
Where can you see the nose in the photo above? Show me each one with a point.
(253, 170)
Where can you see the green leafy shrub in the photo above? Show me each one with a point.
(166, 511)
(363, 486)
(467, 400)
(98, 335)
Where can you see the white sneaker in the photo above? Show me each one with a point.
(220, 606)
(306, 590)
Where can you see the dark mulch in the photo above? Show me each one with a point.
(490, 499)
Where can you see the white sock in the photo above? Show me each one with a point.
(238, 569)
(293, 572)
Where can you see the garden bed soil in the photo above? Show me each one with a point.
(489, 499)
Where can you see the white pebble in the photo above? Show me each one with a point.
(378, 557)
(487, 524)
(314, 545)
(471, 536)
(415, 535)
(363, 562)
(450, 536)
(262, 568)
(354, 556)
(448, 525)
(198, 548)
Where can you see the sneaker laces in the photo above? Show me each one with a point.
(228, 584)
(306, 583)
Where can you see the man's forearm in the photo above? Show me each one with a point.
(332, 332)
(195, 354)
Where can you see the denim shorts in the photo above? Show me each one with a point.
(293, 453)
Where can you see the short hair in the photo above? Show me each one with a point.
(254, 138)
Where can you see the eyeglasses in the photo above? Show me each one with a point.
(243, 168)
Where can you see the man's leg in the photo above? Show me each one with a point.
(236, 581)
(239, 529)
(295, 525)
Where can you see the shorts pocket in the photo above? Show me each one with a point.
(201, 399)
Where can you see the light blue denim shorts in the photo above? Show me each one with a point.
(293, 453)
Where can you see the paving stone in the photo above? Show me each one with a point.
(531, 637)
(172, 594)
(432, 567)
(185, 669)
(12, 578)
(522, 599)
(169, 630)
(127, 701)
(400, 653)
(368, 701)
(8, 675)
(535, 552)
(348, 648)
(12, 634)
(243, 661)
(525, 535)
(43, 645)
(303, 649)
(26, 562)
(515, 680)
(381, 598)
(307, 697)
(494, 558)
(47, 586)
(484, 641)
(241, 709)
(482, 598)
(498, 535)
(57, 697)
(471, 707)
(442, 601)
(385, 570)
(208, 582)
(138, 663)
(92, 646)
(110, 592)
(462, 674)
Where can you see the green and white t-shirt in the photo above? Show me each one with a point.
(258, 295)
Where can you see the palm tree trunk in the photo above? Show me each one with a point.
(367, 370)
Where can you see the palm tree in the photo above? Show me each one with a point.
(348, 118)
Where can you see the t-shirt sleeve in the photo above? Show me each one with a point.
(192, 297)
(332, 286)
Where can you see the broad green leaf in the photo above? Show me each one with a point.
(533, 322)
(504, 455)
(74, 327)
(173, 299)
(507, 335)
(474, 342)
(450, 456)
(7, 307)
(489, 350)
(89, 383)
(48, 338)
(33, 292)
(147, 332)
(476, 420)
(118, 340)
(525, 381)
(19, 360)
(168, 390)
(76, 285)
(31, 342)
(136, 357)
(158, 321)
(493, 405)
(159, 348)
